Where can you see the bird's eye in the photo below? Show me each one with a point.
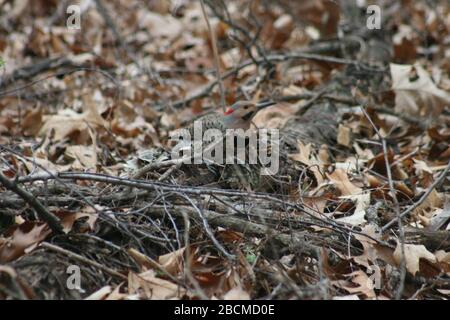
(245, 107)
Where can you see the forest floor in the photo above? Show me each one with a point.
(94, 205)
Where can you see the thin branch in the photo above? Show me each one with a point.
(52, 221)
(151, 185)
(59, 74)
(422, 199)
(393, 193)
(276, 58)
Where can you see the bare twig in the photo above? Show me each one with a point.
(166, 174)
(208, 230)
(52, 221)
(58, 74)
(393, 193)
(308, 104)
(35, 68)
(438, 181)
(157, 165)
(152, 185)
(275, 58)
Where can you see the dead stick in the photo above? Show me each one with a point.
(42, 212)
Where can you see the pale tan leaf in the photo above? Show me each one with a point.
(413, 253)
(371, 249)
(362, 202)
(360, 283)
(160, 25)
(306, 157)
(422, 166)
(151, 287)
(415, 91)
(340, 178)
(344, 136)
(23, 237)
(173, 262)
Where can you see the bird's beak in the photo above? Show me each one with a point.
(265, 104)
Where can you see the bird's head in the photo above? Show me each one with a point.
(241, 113)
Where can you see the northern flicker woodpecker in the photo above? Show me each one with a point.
(237, 116)
(203, 154)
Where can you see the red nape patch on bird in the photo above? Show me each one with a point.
(229, 111)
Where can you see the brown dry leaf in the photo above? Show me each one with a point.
(21, 239)
(421, 166)
(69, 218)
(32, 122)
(415, 91)
(131, 129)
(160, 26)
(116, 295)
(91, 215)
(340, 178)
(444, 260)
(413, 253)
(360, 283)
(63, 124)
(160, 6)
(305, 156)
(173, 261)
(34, 164)
(438, 136)
(85, 156)
(67, 121)
(230, 58)
(148, 286)
(371, 250)
(358, 217)
(274, 117)
(404, 44)
(322, 14)
(229, 236)
(344, 136)
(280, 31)
(434, 200)
(403, 189)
